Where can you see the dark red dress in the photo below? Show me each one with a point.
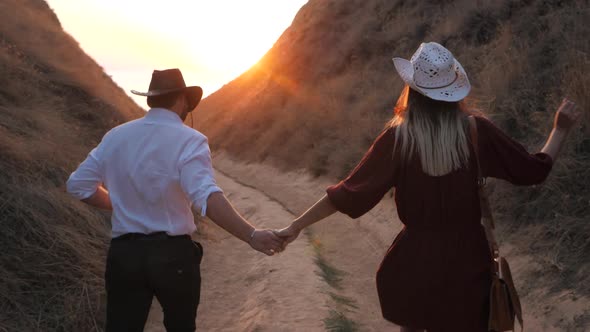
(436, 274)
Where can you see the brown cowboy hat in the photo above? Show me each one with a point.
(170, 81)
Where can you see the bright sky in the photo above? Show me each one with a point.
(212, 42)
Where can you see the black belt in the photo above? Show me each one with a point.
(150, 236)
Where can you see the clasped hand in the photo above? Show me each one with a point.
(266, 241)
(270, 242)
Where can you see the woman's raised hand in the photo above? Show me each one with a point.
(566, 116)
(565, 119)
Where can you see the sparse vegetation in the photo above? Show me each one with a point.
(337, 319)
(331, 275)
(337, 322)
(343, 300)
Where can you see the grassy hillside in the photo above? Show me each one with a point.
(55, 105)
(319, 97)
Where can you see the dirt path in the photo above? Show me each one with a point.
(243, 290)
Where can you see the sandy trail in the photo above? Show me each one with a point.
(246, 291)
(243, 290)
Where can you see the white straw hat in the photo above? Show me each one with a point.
(434, 72)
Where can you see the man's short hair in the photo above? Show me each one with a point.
(163, 101)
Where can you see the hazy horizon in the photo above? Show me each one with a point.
(131, 39)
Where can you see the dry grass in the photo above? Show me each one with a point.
(332, 276)
(325, 90)
(54, 106)
(52, 247)
(337, 322)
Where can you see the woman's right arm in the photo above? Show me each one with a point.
(358, 193)
(565, 119)
(504, 158)
(323, 208)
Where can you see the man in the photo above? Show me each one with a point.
(148, 172)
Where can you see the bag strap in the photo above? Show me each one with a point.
(501, 267)
(486, 212)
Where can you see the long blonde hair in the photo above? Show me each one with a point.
(432, 130)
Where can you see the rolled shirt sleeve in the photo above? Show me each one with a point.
(196, 173)
(86, 179)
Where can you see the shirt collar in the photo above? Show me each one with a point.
(162, 115)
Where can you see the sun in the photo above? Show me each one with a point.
(234, 44)
(229, 55)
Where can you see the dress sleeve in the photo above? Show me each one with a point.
(504, 158)
(369, 181)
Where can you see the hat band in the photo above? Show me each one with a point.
(439, 87)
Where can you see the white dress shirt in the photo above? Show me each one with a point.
(154, 169)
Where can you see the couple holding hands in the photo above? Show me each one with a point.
(150, 171)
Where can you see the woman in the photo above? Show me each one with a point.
(436, 274)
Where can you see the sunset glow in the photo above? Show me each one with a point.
(212, 42)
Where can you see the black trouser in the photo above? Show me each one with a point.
(141, 266)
